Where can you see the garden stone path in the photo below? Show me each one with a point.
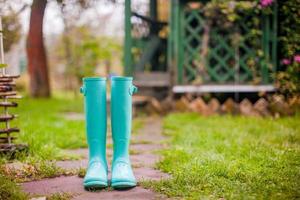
(143, 158)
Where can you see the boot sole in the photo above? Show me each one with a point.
(123, 185)
(95, 185)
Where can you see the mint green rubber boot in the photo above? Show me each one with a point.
(122, 90)
(94, 91)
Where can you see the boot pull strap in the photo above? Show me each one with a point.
(82, 90)
(133, 89)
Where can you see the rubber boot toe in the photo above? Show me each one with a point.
(96, 176)
(122, 176)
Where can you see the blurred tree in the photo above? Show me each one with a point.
(11, 22)
(37, 59)
(11, 30)
(109, 49)
(83, 56)
(71, 13)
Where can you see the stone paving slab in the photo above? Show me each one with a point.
(137, 193)
(143, 161)
(73, 185)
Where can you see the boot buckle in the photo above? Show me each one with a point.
(132, 90)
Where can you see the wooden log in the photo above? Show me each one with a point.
(214, 106)
(8, 104)
(9, 76)
(6, 94)
(294, 103)
(230, 107)
(154, 106)
(14, 97)
(182, 104)
(198, 105)
(4, 118)
(278, 106)
(11, 148)
(9, 130)
(246, 108)
(167, 105)
(6, 80)
(6, 139)
(5, 88)
(261, 106)
(11, 84)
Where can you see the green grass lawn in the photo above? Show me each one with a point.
(45, 128)
(230, 157)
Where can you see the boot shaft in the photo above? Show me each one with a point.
(94, 91)
(121, 114)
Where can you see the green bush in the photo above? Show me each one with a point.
(10, 190)
(288, 78)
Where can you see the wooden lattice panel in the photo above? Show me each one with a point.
(227, 61)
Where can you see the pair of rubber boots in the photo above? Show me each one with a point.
(94, 91)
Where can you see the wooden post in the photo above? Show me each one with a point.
(274, 38)
(266, 48)
(1, 48)
(170, 38)
(153, 14)
(178, 41)
(154, 32)
(128, 70)
(170, 51)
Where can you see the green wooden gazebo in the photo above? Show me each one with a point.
(169, 54)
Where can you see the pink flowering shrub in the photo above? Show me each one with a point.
(297, 58)
(265, 3)
(288, 74)
(286, 61)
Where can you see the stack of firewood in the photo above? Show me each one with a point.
(7, 92)
(274, 105)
